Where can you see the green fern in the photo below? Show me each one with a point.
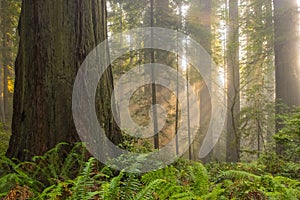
(217, 192)
(18, 176)
(168, 173)
(56, 191)
(147, 193)
(241, 175)
(74, 159)
(44, 171)
(185, 196)
(84, 183)
(199, 179)
(111, 190)
(130, 186)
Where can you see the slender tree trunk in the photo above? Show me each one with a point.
(3, 119)
(153, 85)
(4, 62)
(177, 102)
(233, 83)
(55, 37)
(5, 87)
(271, 74)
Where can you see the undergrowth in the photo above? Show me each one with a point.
(4, 139)
(75, 177)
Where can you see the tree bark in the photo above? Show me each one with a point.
(4, 60)
(287, 52)
(55, 38)
(233, 84)
(287, 69)
(205, 98)
(199, 24)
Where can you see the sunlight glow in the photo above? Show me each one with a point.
(185, 8)
(222, 76)
(299, 13)
(128, 39)
(183, 63)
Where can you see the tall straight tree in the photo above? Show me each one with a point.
(233, 83)
(206, 36)
(199, 24)
(287, 53)
(55, 37)
(8, 21)
(257, 81)
(153, 86)
(287, 67)
(4, 59)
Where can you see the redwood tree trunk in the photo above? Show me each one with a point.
(199, 25)
(233, 84)
(55, 37)
(287, 52)
(287, 66)
(205, 41)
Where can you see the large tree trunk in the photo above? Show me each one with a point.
(287, 69)
(55, 37)
(205, 99)
(199, 25)
(287, 52)
(233, 84)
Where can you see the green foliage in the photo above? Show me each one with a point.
(42, 171)
(256, 121)
(288, 137)
(18, 176)
(75, 178)
(275, 165)
(4, 139)
(84, 186)
(111, 190)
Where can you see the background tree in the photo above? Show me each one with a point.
(286, 21)
(55, 37)
(257, 77)
(199, 23)
(9, 14)
(233, 83)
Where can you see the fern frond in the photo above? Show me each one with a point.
(168, 173)
(147, 192)
(241, 175)
(111, 190)
(84, 182)
(130, 186)
(199, 179)
(74, 158)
